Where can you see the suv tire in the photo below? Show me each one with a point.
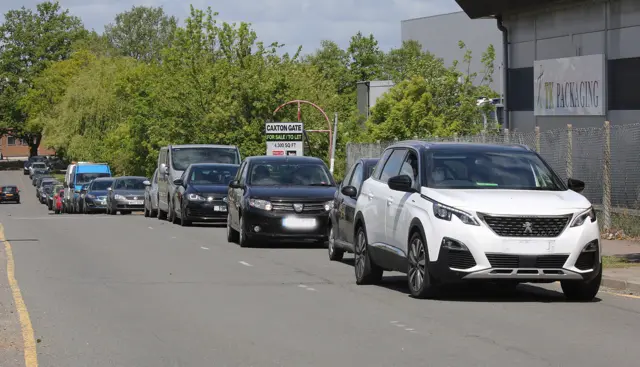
(583, 291)
(366, 271)
(418, 276)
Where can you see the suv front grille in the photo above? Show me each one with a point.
(310, 207)
(551, 261)
(509, 261)
(503, 261)
(551, 226)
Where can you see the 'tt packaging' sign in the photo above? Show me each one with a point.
(284, 138)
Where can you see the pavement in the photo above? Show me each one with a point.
(623, 279)
(132, 291)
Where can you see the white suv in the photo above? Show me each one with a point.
(443, 212)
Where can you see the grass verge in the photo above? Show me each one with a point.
(618, 262)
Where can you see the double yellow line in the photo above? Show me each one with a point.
(30, 354)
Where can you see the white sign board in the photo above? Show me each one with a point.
(569, 86)
(285, 138)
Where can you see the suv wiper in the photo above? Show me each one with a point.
(320, 184)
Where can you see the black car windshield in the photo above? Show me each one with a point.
(130, 184)
(490, 170)
(9, 189)
(286, 174)
(211, 175)
(101, 185)
(84, 178)
(183, 157)
(40, 165)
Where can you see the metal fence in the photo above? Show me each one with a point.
(607, 159)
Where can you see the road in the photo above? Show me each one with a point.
(131, 291)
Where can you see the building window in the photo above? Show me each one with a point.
(11, 140)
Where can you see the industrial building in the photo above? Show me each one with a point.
(440, 35)
(569, 61)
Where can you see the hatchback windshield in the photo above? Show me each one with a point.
(101, 185)
(211, 175)
(39, 165)
(83, 178)
(275, 174)
(130, 184)
(9, 189)
(490, 170)
(183, 157)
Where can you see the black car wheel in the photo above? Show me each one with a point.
(420, 284)
(243, 241)
(183, 221)
(334, 253)
(367, 272)
(146, 212)
(172, 215)
(232, 234)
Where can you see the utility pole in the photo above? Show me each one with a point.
(333, 145)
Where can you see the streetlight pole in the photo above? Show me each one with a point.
(333, 144)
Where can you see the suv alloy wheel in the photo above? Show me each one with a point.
(418, 277)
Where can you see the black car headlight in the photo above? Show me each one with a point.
(581, 218)
(195, 197)
(260, 204)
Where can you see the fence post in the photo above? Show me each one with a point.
(484, 137)
(455, 137)
(507, 138)
(569, 150)
(538, 139)
(606, 177)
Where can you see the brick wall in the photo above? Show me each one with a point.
(12, 147)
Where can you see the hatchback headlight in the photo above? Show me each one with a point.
(328, 205)
(196, 197)
(260, 204)
(118, 197)
(445, 212)
(582, 217)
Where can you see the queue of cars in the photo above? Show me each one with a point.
(438, 212)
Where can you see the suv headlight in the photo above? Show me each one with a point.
(445, 212)
(582, 217)
(260, 204)
(196, 197)
(118, 197)
(328, 205)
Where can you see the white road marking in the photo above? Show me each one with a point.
(409, 329)
(245, 263)
(204, 248)
(400, 325)
(150, 227)
(311, 289)
(302, 286)
(393, 322)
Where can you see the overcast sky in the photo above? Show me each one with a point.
(292, 22)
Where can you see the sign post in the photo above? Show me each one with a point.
(285, 138)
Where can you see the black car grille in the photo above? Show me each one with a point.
(515, 261)
(309, 207)
(206, 213)
(461, 259)
(551, 226)
(135, 197)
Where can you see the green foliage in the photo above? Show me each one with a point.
(147, 83)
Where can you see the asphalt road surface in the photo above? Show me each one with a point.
(130, 291)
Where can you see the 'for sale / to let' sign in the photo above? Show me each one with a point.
(284, 138)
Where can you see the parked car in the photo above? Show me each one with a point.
(443, 212)
(78, 201)
(95, 199)
(151, 197)
(126, 195)
(37, 167)
(173, 160)
(202, 193)
(46, 190)
(344, 208)
(58, 202)
(9, 193)
(79, 174)
(283, 198)
(51, 197)
(39, 186)
(27, 164)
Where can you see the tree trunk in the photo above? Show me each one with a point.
(34, 144)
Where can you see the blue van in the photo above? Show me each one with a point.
(82, 174)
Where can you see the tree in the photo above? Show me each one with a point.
(366, 58)
(398, 62)
(333, 62)
(29, 43)
(141, 32)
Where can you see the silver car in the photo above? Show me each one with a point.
(151, 197)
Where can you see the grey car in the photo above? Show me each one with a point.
(151, 197)
(126, 195)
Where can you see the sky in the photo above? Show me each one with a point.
(289, 22)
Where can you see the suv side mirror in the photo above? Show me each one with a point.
(349, 191)
(575, 185)
(147, 183)
(109, 189)
(178, 182)
(235, 184)
(401, 183)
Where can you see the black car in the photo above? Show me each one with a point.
(344, 208)
(9, 193)
(95, 199)
(37, 174)
(46, 188)
(126, 194)
(40, 183)
(284, 198)
(201, 194)
(35, 158)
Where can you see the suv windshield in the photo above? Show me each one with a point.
(211, 175)
(101, 185)
(490, 170)
(38, 165)
(83, 178)
(130, 184)
(276, 174)
(181, 158)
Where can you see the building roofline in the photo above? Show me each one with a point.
(432, 16)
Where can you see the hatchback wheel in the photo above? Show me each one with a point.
(146, 212)
(232, 234)
(367, 272)
(334, 253)
(418, 277)
(184, 222)
(243, 241)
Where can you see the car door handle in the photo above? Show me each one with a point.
(389, 202)
(369, 195)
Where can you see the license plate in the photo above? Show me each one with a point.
(9, 194)
(136, 202)
(219, 208)
(299, 223)
(528, 247)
